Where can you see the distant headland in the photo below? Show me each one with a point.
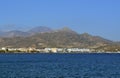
(41, 38)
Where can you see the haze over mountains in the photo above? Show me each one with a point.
(41, 37)
(19, 33)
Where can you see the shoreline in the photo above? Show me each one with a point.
(60, 53)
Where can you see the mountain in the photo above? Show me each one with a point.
(40, 29)
(14, 33)
(2, 34)
(66, 29)
(18, 33)
(63, 38)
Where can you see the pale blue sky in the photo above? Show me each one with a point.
(97, 17)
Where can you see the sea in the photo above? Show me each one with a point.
(50, 65)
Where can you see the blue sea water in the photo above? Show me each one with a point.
(60, 65)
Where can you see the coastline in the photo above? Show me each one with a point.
(60, 53)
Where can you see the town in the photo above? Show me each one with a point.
(52, 50)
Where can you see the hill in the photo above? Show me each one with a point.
(40, 29)
(18, 33)
(63, 38)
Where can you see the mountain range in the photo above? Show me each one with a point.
(41, 37)
(18, 33)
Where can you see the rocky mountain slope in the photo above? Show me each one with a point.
(65, 38)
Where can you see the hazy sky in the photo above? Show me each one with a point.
(97, 17)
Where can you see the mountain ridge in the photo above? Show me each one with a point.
(18, 33)
(63, 38)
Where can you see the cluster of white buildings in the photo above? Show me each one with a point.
(46, 50)
(67, 50)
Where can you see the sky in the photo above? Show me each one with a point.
(96, 17)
